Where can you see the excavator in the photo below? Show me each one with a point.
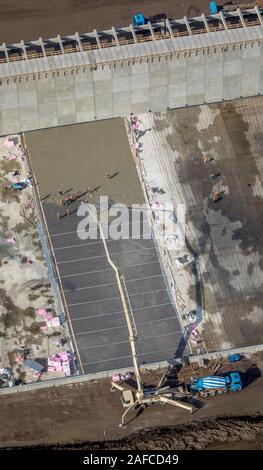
(139, 397)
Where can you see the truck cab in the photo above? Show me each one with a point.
(139, 19)
(234, 382)
(213, 8)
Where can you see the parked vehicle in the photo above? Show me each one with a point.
(139, 19)
(235, 357)
(214, 385)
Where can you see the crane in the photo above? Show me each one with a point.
(139, 397)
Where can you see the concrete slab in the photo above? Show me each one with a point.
(223, 238)
(74, 158)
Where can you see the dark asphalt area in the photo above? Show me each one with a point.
(29, 19)
(77, 157)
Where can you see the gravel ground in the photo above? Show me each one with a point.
(24, 281)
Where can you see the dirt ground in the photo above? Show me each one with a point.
(33, 18)
(86, 412)
(24, 281)
(68, 414)
(229, 433)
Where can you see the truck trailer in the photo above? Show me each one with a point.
(216, 385)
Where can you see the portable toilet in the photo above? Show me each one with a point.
(138, 19)
(213, 8)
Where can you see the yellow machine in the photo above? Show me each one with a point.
(132, 399)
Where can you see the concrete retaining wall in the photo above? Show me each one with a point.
(82, 94)
(77, 379)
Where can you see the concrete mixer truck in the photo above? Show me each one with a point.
(216, 385)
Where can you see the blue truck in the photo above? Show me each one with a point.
(216, 385)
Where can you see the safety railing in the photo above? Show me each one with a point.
(125, 42)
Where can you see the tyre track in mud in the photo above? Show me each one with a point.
(229, 432)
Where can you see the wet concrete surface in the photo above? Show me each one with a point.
(74, 158)
(217, 148)
(33, 18)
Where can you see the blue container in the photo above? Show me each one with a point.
(213, 8)
(138, 19)
(234, 357)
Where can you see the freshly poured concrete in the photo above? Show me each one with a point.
(78, 157)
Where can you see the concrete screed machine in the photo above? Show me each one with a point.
(140, 397)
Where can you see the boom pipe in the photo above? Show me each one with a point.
(180, 404)
(125, 307)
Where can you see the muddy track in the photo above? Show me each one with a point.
(241, 432)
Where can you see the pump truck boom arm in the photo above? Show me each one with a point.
(125, 308)
(178, 403)
(131, 399)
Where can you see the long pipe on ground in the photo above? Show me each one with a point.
(180, 404)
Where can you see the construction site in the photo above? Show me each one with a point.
(134, 332)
